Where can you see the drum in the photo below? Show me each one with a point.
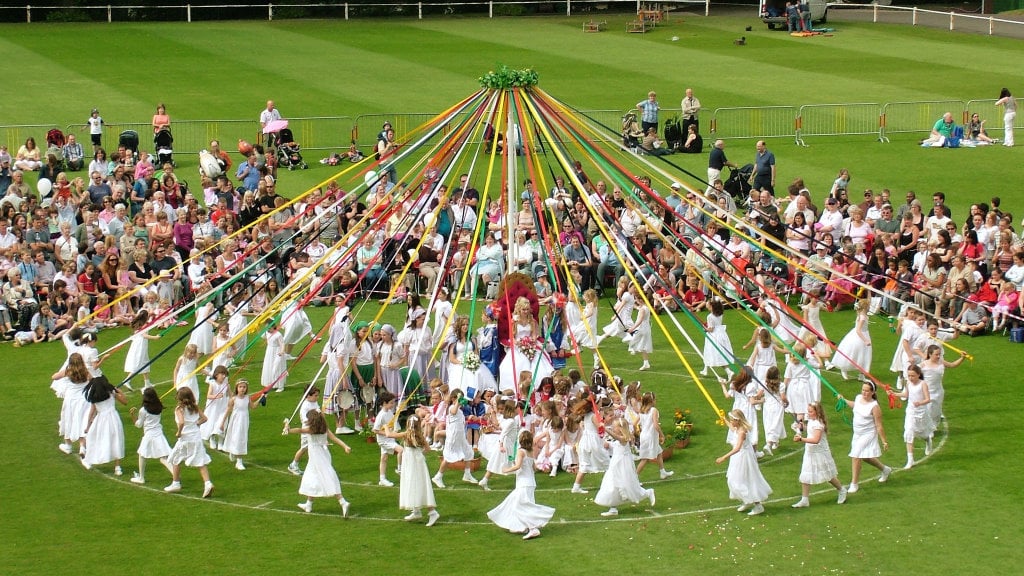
(346, 399)
(1017, 335)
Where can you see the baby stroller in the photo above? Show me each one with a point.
(130, 140)
(738, 184)
(288, 151)
(164, 151)
(631, 132)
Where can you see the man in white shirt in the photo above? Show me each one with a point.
(831, 221)
(268, 115)
(691, 109)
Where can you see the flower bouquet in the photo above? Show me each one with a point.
(471, 361)
(682, 426)
(527, 347)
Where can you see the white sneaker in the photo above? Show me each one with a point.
(65, 448)
(118, 471)
(842, 496)
(438, 481)
(432, 518)
(665, 473)
(207, 489)
(173, 487)
(294, 469)
(768, 451)
(758, 509)
(759, 454)
(650, 495)
(414, 515)
(533, 533)
(358, 427)
(853, 489)
(385, 483)
(743, 507)
(344, 508)
(907, 466)
(136, 479)
(483, 484)
(928, 447)
(802, 503)
(345, 430)
(885, 474)
(610, 512)
(239, 465)
(577, 489)
(467, 476)
(645, 367)
(306, 506)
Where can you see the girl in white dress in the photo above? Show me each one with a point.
(622, 313)
(234, 425)
(744, 478)
(508, 430)
(74, 410)
(188, 450)
(641, 341)
(202, 335)
(797, 382)
(651, 436)
(442, 312)
(275, 368)
(519, 511)
(391, 358)
(295, 326)
(763, 357)
(414, 490)
(516, 361)
(154, 443)
(137, 361)
(867, 430)
(224, 352)
(773, 410)
(717, 346)
(471, 382)
(585, 330)
(456, 446)
(319, 480)
(933, 370)
(418, 342)
(818, 465)
(104, 433)
(746, 395)
(591, 449)
(337, 354)
(911, 329)
(216, 405)
(812, 318)
(918, 420)
(185, 369)
(854, 350)
(621, 483)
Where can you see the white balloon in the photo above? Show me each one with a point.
(428, 220)
(44, 186)
(370, 178)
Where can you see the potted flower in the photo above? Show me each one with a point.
(682, 428)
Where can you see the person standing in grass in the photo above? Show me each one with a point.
(74, 410)
(456, 446)
(744, 478)
(867, 431)
(1009, 104)
(591, 449)
(621, 484)
(234, 425)
(918, 421)
(319, 479)
(818, 465)
(414, 489)
(519, 512)
(189, 449)
(651, 436)
(154, 443)
(387, 444)
(137, 361)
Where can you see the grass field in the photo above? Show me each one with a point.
(958, 511)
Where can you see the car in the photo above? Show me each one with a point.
(773, 12)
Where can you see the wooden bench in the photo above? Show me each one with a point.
(592, 26)
(638, 26)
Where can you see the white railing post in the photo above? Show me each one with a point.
(109, 16)
(874, 13)
(419, 9)
(28, 13)
(188, 12)
(346, 10)
(991, 25)
(490, 9)
(915, 16)
(270, 12)
(568, 7)
(950, 20)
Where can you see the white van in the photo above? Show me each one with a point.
(773, 12)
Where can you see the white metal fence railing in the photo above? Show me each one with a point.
(950, 20)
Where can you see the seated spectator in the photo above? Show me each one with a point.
(694, 143)
(942, 129)
(74, 156)
(975, 129)
(28, 157)
(972, 320)
(20, 299)
(99, 162)
(652, 145)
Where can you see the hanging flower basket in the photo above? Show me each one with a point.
(504, 78)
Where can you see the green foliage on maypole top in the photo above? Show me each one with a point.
(504, 78)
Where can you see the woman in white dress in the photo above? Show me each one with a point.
(473, 381)
(295, 325)
(591, 449)
(185, 369)
(854, 350)
(104, 433)
(202, 334)
(717, 346)
(154, 443)
(216, 405)
(414, 490)
(74, 410)
(763, 356)
(526, 336)
(188, 450)
(818, 465)
(797, 383)
(867, 431)
(622, 313)
(621, 482)
(773, 410)
(275, 367)
(918, 420)
(319, 480)
(235, 423)
(651, 436)
(744, 478)
(933, 370)
(911, 329)
(456, 445)
(519, 511)
(746, 395)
